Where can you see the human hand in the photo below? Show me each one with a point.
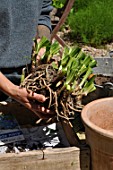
(24, 97)
(27, 99)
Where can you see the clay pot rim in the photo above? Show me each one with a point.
(91, 125)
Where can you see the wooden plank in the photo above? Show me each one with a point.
(71, 158)
(63, 17)
(104, 66)
(70, 134)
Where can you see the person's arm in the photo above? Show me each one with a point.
(25, 98)
(44, 23)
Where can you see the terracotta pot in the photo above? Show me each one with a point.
(97, 118)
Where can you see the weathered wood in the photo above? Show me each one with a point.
(67, 8)
(63, 17)
(70, 134)
(71, 158)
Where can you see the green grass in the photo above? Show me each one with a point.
(91, 22)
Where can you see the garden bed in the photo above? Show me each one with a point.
(68, 158)
(63, 157)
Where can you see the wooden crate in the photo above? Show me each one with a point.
(69, 158)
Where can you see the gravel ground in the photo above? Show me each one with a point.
(95, 52)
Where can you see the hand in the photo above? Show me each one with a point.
(27, 99)
(24, 97)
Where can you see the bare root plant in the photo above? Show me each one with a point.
(63, 82)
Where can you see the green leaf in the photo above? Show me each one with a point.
(54, 49)
(54, 65)
(58, 3)
(89, 71)
(44, 42)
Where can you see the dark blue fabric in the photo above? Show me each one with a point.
(44, 17)
(13, 77)
(18, 22)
